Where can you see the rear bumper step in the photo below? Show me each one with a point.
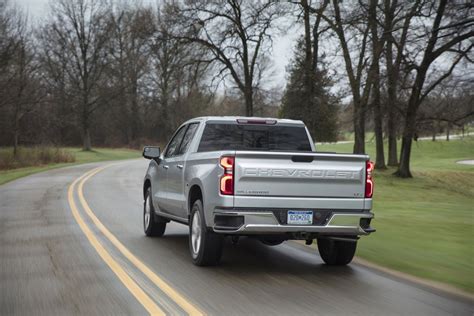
(266, 222)
(370, 230)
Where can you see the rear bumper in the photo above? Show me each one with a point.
(248, 222)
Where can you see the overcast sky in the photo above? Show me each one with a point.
(282, 48)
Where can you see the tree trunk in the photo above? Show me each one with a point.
(164, 128)
(448, 130)
(308, 51)
(134, 110)
(359, 129)
(392, 74)
(380, 155)
(392, 139)
(408, 134)
(15, 142)
(433, 138)
(404, 168)
(87, 146)
(21, 75)
(410, 124)
(63, 111)
(359, 101)
(16, 131)
(391, 125)
(377, 46)
(86, 136)
(248, 101)
(164, 121)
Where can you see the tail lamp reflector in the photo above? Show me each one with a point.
(369, 182)
(227, 179)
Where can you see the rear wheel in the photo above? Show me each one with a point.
(205, 245)
(336, 252)
(153, 225)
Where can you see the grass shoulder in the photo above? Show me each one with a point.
(32, 160)
(425, 224)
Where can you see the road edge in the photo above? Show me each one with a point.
(430, 284)
(439, 286)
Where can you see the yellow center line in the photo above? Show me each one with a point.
(165, 287)
(136, 291)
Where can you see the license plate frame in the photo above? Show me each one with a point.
(299, 217)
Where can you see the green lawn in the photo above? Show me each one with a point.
(99, 154)
(425, 225)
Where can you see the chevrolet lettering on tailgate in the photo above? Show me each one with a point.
(302, 173)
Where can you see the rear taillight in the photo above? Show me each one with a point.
(227, 179)
(369, 182)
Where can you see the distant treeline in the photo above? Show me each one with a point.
(115, 73)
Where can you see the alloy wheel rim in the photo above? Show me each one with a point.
(196, 233)
(147, 213)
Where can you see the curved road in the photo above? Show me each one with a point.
(64, 250)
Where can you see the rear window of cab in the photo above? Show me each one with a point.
(229, 136)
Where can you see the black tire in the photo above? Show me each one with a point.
(336, 252)
(207, 248)
(155, 225)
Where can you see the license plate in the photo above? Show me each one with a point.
(300, 217)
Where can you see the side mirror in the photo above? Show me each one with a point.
(151, 152)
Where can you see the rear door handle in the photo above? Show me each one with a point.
(179, 166)
(165, 166)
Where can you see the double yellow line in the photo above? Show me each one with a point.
(124, 277)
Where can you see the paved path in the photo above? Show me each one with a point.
(465, 162)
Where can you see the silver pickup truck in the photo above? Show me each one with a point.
(260, 178)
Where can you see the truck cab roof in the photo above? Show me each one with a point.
(246, 120)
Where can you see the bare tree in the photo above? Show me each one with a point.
(8, 44)
(378, 43)
(81, 29)
(118, 67)
(178, 70)
(398, 18)
(54, 60)
(169, 56)
(25, 88)
(132, 29)
(21, 90)
(447, 34)
(311, 40)
(237, 33)
(450, 105)
(349, 24)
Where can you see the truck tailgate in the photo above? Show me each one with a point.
(299, 175)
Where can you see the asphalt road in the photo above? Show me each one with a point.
(62, 255)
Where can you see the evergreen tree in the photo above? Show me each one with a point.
(315, 105)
